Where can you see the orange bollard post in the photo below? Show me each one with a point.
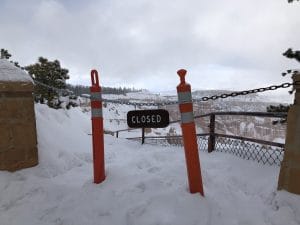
(189, 135)
(97, 129)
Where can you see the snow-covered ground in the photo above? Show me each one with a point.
(144, 184)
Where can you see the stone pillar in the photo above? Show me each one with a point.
(18, 140)
(289, 177)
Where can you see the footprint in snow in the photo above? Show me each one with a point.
(141, 187)
(154, 169)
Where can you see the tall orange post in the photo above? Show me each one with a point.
(189, 134)
(97, 129)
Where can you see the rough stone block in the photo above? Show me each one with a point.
(31, 154)
(18, 142)
(294, 181)
(24, 135)
(6, 140)
(289, 177)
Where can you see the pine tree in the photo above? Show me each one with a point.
(81, 89)
(52, 74)
(5, 54)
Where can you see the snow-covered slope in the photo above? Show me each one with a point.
(145, 185)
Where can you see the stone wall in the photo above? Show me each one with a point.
(289, 177)
(18, 142)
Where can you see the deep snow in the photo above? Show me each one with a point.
(10, 73)
(144, 184)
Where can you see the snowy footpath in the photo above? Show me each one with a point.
(145, 185)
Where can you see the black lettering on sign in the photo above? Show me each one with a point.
(157, 118)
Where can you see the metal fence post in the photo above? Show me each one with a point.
(212, 138)
(189, 135)
(143, 135)
(97, 129)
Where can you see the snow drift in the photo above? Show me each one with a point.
(144, 185)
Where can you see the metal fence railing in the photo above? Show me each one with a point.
(262, 151)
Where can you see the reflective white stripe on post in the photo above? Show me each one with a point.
(184, 97)
(97, 112)
(96, 96)
(187, 117)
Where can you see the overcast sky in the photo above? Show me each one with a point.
(232, 44)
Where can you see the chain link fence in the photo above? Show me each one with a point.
(262, 153)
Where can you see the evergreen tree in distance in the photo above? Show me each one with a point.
(5, 54)
(81, 89)
(292, 54)
(52, 74)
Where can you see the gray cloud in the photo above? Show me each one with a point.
(223, 44)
